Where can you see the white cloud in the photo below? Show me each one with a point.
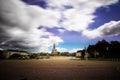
(76, 21)
(68, 50)
(14, 11)
(75, 49)
(91, 33)
(19, 22)
(61, 30)
(59, 49)
(48, 17)
(80, 15)
(111, 28)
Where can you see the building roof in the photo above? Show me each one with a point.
(17, 51)
(1, 49)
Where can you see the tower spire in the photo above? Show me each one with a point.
(54, 50)
(54, 46)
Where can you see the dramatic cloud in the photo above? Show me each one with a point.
(19, 22)
(109, 29)
(78, 14)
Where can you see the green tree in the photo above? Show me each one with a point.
(16, 56)
(102, 48)
(91, 50)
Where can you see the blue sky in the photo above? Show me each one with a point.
(70, 24)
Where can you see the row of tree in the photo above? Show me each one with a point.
(105, 49)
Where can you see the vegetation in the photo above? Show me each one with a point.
(1, 54)
(104, 49)
(16, 56)
(39, 56)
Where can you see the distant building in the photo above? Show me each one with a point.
(96, 54)
(6, 54)
(1, 49)
(54, 51)
(3, 53)
(78, 54)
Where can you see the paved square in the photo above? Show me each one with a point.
(59, 68)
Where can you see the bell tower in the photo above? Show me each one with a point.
(54, 50)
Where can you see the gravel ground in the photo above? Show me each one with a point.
(59, 68)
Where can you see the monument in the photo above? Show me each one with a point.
(54, 50)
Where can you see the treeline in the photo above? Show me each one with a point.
(104, 49)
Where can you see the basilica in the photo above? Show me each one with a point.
(54, 51)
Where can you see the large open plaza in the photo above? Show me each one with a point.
(59, 68)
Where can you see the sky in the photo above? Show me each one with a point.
(35, 25)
